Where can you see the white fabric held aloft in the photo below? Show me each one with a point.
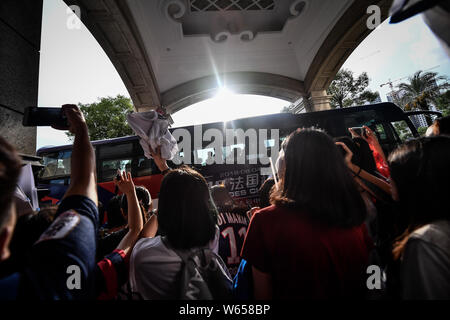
(154, 132)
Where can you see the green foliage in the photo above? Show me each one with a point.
(421, 91)
(443, 103)
(422, 130)
(106, 118)
(403, 131)
(347, 91)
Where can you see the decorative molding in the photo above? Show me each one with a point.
(232, 18)
(175, 15)
(294, 11)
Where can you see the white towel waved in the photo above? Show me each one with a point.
(154, 132)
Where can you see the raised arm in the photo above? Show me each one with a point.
(82, 175)
(386, 187)
(159, 161)
(135, 222)
(371, 139)
(151, 227)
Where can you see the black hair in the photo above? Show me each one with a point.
(318, 182)
(265, 191)
(362, 154)
(222, 199)
(186, 212)
(113, 213)
(421, 174)
(29, 228)
(144, 198)
(444, 125)
(10, 168)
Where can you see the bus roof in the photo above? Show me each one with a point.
(376, 112)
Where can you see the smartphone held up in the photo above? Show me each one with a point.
(39, 117)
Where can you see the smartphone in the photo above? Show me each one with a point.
(39, 117)
(360, 131)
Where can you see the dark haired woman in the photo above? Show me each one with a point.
(421, 175)
(311, 243)
(187, 217)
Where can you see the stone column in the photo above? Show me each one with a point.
(319, 100)
(20, 38)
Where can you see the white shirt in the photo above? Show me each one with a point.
(154, 269)
(426, 263)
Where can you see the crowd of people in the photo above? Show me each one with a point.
(336, 207)
(339, 219)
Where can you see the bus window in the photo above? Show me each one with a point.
(108, 168)
(381, 133)
(402, 130)
(56, 164)
(115, 150)
(204, 156)
(145, 167)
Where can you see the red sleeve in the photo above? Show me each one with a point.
(114, 273)
(254, 249)
(381, 165)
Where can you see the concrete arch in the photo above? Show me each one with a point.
(163, 67)
(257, 83)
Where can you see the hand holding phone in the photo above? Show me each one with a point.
(358, 131)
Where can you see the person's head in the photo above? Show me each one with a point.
(10, 167)
(317, 181)
(440, 126)
(145, 202)
(28, 229)
(222, 198)
(114, 215)
(186, 212)
(421, 175)
(265, 191)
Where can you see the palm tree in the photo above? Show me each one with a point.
(422, 91)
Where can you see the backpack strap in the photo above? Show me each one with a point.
(183, 254)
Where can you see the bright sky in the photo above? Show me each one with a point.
(85, 73)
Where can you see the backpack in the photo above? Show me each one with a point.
(203, 275)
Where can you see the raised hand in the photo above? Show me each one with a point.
(160, 162)
(348, 153)
(75, 118)
(125, 184)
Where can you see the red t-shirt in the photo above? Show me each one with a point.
(307, 259)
